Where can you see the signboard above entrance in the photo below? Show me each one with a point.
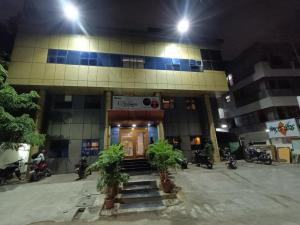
(135, 103)
(283, 128)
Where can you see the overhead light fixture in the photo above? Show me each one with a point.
(224, 126)
(71, 12)
(183, 25)
(133, 125)
(149, 124)
(267, 130)
(119, 125)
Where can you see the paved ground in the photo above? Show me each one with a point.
(251, 195)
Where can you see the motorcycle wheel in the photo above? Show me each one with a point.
(231, 166)
(268, 162)
(2, 180)
(34, 177)
(48, 173)
(248, 159)
(209, 165)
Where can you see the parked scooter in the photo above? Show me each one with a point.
(251, 155)
(8, 172)
(231, 161)
(81, 169)
(201, 158)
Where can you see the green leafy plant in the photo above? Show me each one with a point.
(109, 166)
(163, 156)
(17, 112)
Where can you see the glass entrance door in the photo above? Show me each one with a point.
(134, 141)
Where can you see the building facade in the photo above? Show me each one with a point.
(97, 91)
(264, 84)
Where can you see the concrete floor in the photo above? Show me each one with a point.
(252, 194)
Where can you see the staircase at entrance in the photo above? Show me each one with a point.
(140, 194)
(136, 165)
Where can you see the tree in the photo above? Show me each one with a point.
(17, 113)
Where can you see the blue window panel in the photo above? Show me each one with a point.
(52, 52)
(184, 65)
(105, 59)
(93, 62)
(160, 66)
(84, 55)
(93, 55)
(62, 52)
(116, 60)
(175, 61)
(192, 62)
(51, 59)
(114, 138)
(169, 67)
(73, 57)
(61, 60)
(160, 63)
(149, 63)
(84, 62)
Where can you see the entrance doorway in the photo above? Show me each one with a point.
(134, 141)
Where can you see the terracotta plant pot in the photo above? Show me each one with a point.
(109, 203)
(112, 191)
(167, 186)
(163, 176)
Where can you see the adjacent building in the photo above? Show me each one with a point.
(102, 90)
(264, 84)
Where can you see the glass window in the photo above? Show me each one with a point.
(190, 104)
(195, 142)
(133, 62)
(90, 147)
(63, 102)
(59, 149)
(92, 102)
(175, 141)
(168, 103)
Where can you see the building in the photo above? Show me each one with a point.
(102, 90)
(264, 84)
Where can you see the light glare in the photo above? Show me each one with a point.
(71, 12)
(183, 26)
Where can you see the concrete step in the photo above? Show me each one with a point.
(146, 196)
(140, 188)
(140, 207)
(140, 182)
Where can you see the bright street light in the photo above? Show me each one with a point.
(224, 126)
(71, 12)
(183, 25)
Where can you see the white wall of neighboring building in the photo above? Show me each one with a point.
(10, 156)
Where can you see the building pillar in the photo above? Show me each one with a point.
(212, 129)
(160, 126)
(108, 106)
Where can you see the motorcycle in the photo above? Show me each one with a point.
(38, 170)
(183, 163)
(81, 169)
(251, 155)
(201, 158)
(8, 172)
(231, 161)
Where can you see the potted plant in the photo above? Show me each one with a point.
(163, 156)
(110, 175)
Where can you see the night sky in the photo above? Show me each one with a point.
(235, 23)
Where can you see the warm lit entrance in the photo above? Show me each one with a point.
(134, 141)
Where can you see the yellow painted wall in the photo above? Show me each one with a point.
(29, 67)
